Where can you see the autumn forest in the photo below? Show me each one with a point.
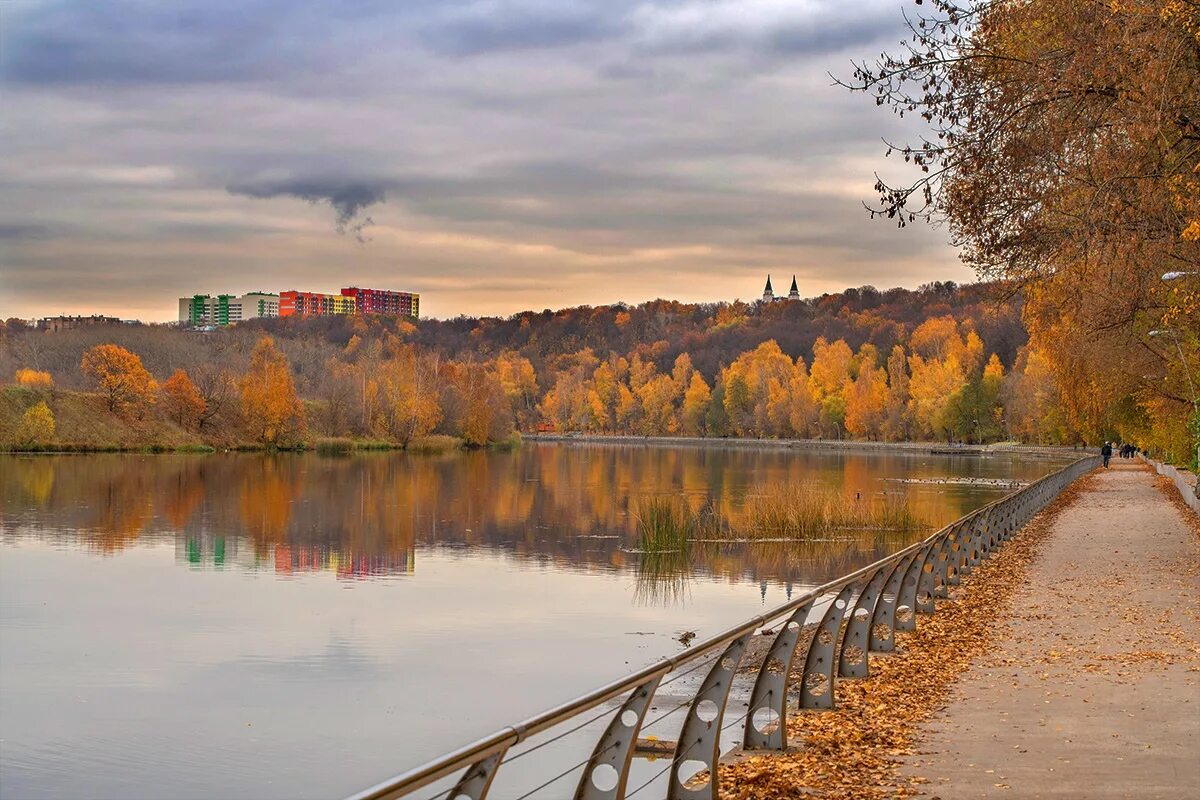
(940, 363)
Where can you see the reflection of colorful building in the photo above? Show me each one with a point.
(291, 560)
(313, 304)
(384, 301)
(204, 550)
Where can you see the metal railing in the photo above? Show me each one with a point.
(862, 612)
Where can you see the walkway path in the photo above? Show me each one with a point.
(1092, 690)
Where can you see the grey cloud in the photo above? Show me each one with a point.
(686, 29)
(25, 230)
(131, 42)
(348, 197)
(499, 27)
(829, 35)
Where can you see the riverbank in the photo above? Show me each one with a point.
(83, 424)
(835, 445)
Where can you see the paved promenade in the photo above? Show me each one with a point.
(1092, 686)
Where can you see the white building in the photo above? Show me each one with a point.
(227, 309)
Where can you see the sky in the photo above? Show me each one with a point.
(495, 156)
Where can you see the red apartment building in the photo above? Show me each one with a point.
(313, 304)
(351, 301)
(384, 301)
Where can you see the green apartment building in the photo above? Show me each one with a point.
(227, 309)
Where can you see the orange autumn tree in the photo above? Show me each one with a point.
(33, 379)
(182, 399)
(120, 377)
(483, 412)
(272, 410)
(867, 396)
(408, 387)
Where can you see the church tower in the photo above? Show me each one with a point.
(794, 294)
(768, 293)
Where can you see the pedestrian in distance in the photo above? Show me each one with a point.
(1106, 451)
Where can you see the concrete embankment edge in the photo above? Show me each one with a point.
(826, 445)
(1184, 481)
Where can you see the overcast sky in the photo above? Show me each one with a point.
(493, 156)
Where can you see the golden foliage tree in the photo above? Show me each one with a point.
(485, 413)
(120, 377)
(271, 408)
(33, 379)
(519, 380)
(866, 397)
(751, 381)
(37, 425)
(409, 407)
(803, 414)
(695, 405)
(182, 400)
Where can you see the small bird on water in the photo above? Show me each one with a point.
(685, 638)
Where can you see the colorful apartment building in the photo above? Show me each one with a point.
(227, 309)
(352, 300)
(384, 301)
(314, 304)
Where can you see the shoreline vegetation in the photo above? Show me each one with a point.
(83, 425)
(389, 386)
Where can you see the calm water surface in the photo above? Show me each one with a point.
(304, 626)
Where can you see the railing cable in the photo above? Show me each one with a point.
(606, 712)
(554, 739)
(564, 774)
(658, 774)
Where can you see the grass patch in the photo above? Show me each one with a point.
(343, 445)
(195, 448)
(435, 444)
(511, 443)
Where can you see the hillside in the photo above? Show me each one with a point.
(942, 362)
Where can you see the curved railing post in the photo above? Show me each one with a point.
(607, 771)
(852, 663)
(816, 688)
(883, 621)
(906, 600)
(766, 721)
(702, 728)
(927, 578)
(475, 782)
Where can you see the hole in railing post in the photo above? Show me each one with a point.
(605, 777)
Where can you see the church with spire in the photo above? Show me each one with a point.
(769, 293)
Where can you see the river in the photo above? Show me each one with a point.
(294, 626)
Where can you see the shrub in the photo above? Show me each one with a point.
(37, 425)
(34, 379)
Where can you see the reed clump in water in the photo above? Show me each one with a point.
(811, 513)
(669, 524)
(665, 525)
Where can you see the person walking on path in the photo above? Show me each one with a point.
(1106, 451)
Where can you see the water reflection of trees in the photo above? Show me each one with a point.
(367, 514)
